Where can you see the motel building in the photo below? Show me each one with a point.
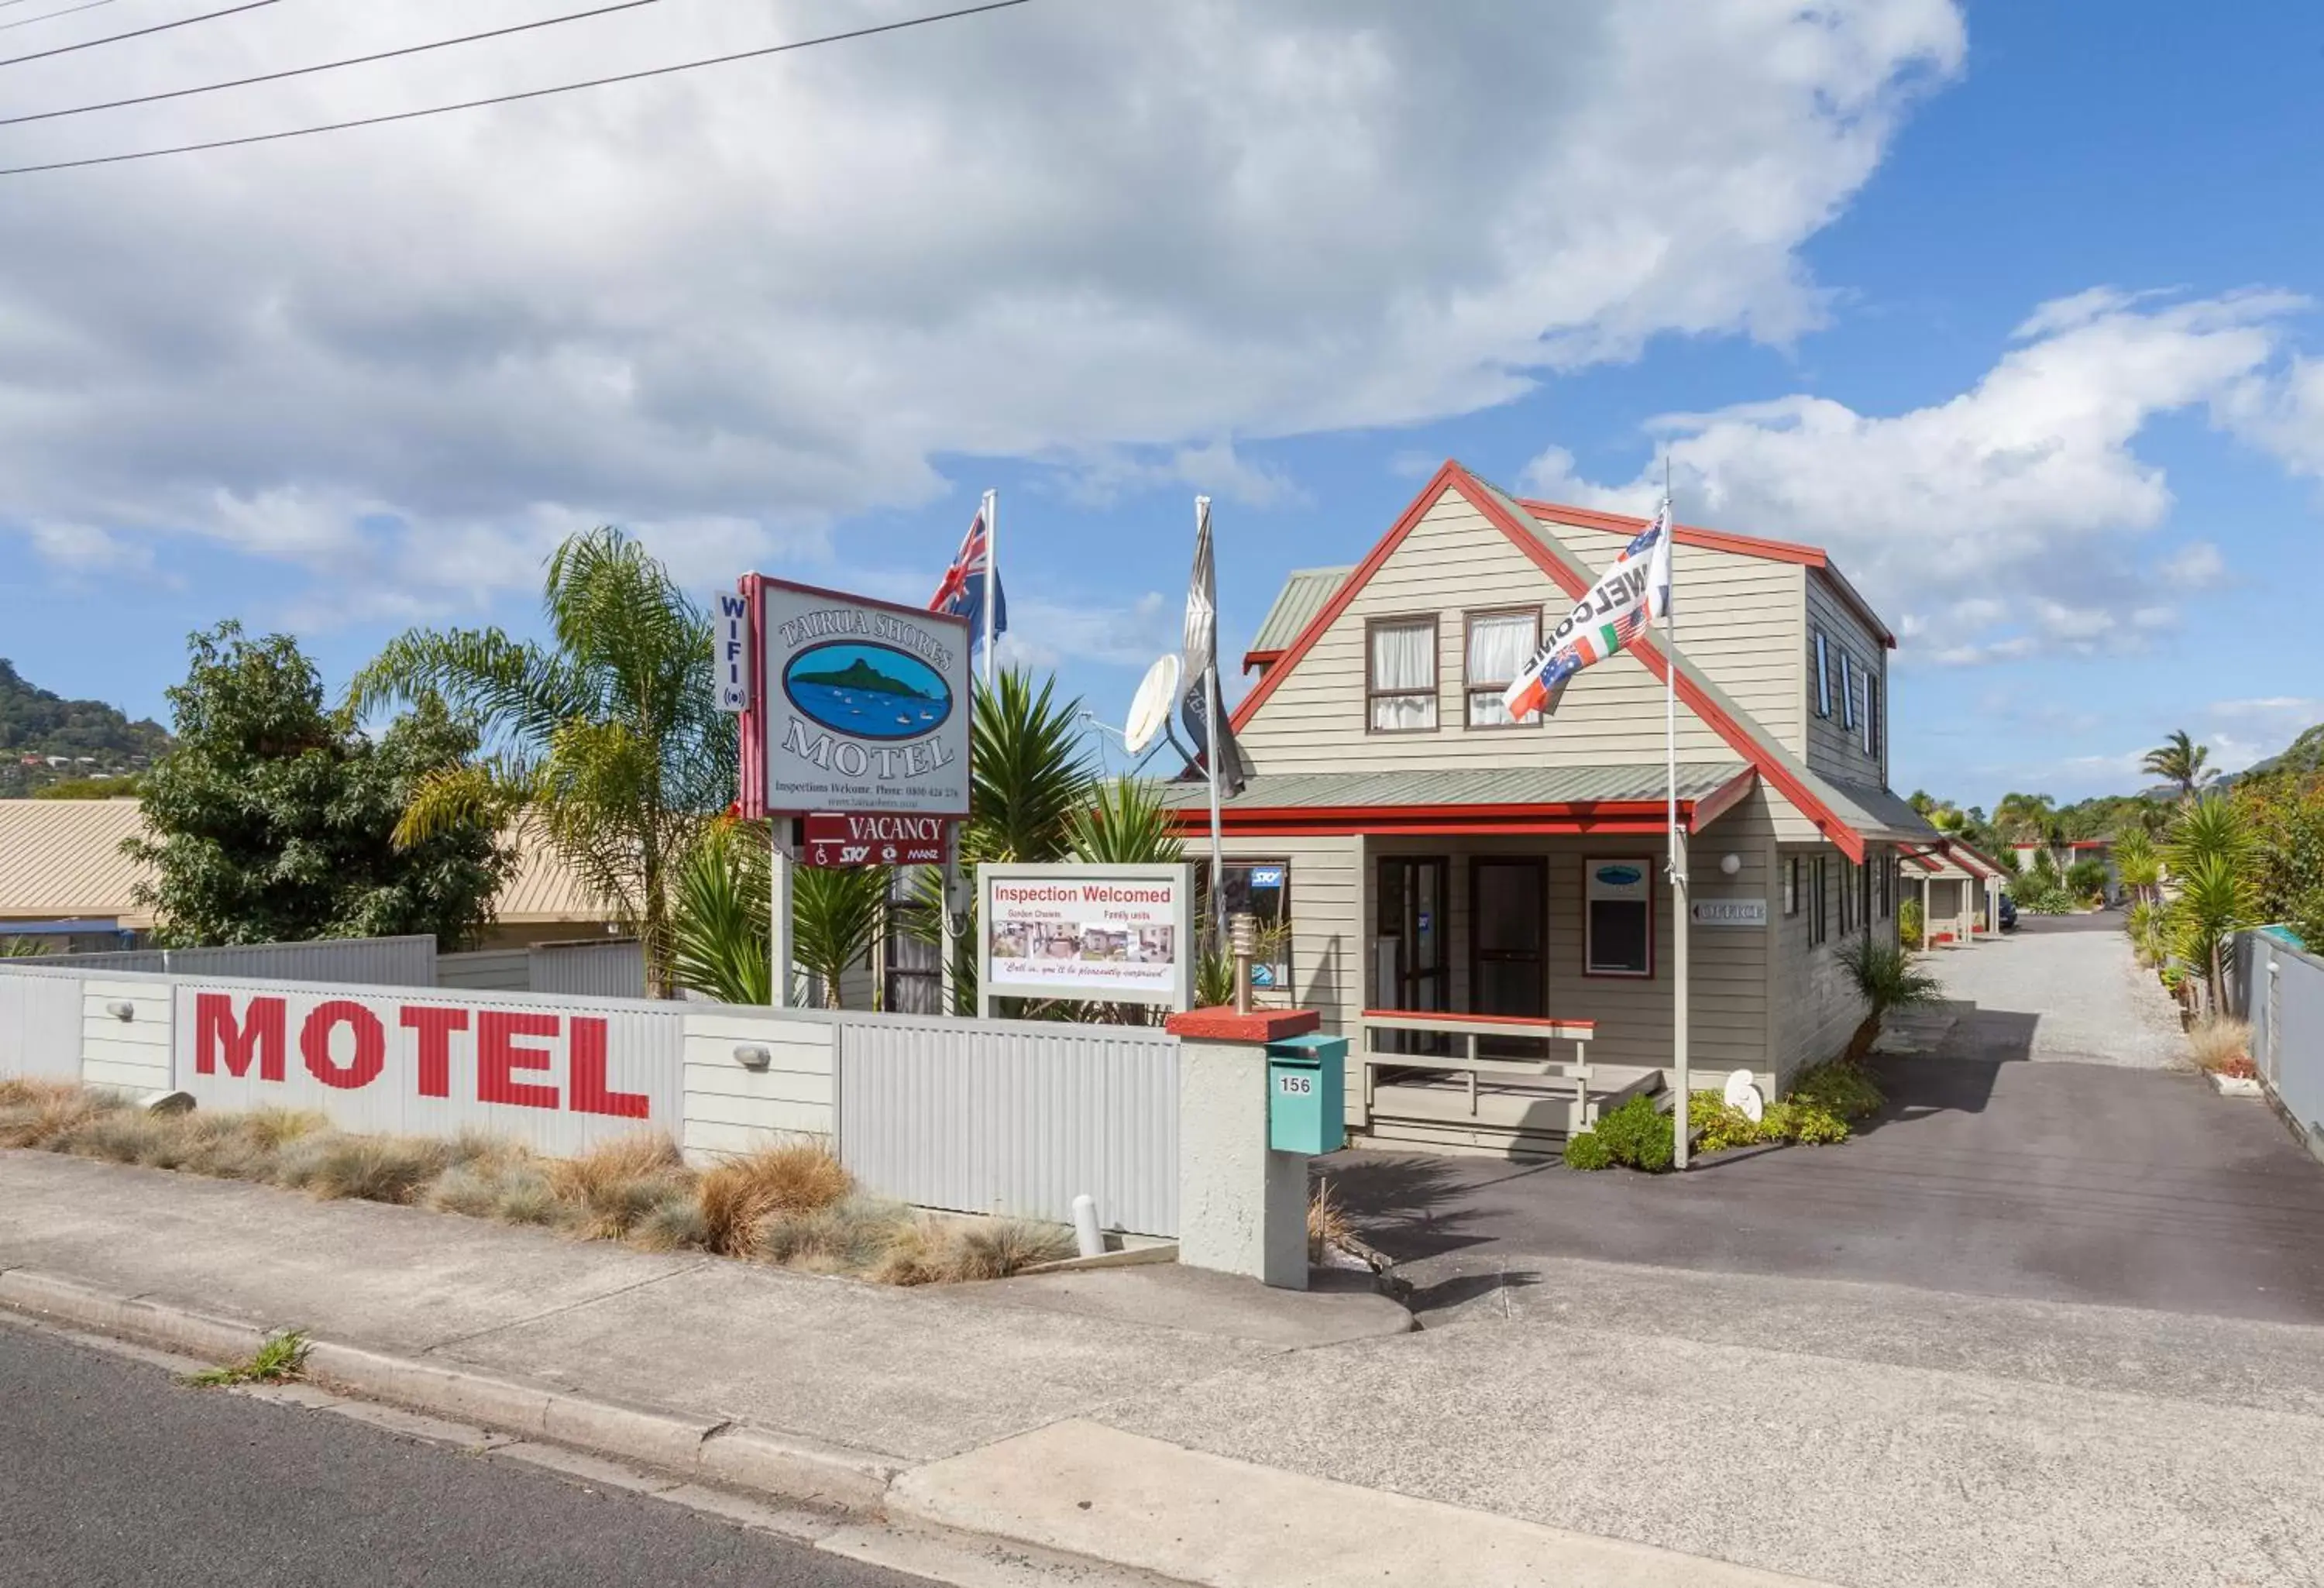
(1959, 890)
(1482, 906)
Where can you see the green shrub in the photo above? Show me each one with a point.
(1720, 1126)
(1816, 1111)
(1909, 923)
(1586, 1151)
(1638, 1135)
(1838, 1088)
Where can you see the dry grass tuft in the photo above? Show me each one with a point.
(915, 1255)
(674, 1223)
(368, 1168)
(1327, 1222)
(2220, 1044)
(607, 1190)
(849, 1236)
(47, 1114)
(742, 1193)
(995, 1249)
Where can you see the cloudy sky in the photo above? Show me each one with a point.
(2012, 313)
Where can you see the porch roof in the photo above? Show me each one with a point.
(1541, 799)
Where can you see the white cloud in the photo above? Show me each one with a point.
(1046, 632)
(765, 297)
(84, 551)
(2287, 710)
(2002, 523)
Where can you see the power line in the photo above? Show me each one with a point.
(627, 76)
(159, 27)
(297, 71)
(67, 11)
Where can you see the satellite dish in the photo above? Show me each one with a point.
(1742, 1094)
(1150, 712)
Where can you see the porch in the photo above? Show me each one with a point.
(1500, 947)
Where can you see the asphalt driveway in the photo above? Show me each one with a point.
(1984, 1176)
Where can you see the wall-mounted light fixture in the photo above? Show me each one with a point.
(1728, 864)
(123, 1011)
(751, 1056)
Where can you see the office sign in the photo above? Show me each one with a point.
(866, 705)
(875, 840)
(1115, 934)
(729, 649)
(1730, 912)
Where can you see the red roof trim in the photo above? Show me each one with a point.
(1251, 658)
(1741, 740)
(1814, 556)
(1717, 803)
(1345, 595)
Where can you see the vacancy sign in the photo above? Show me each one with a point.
(875, 840)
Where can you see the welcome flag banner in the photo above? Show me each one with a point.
(1634, 592)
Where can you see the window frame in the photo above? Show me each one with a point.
(1246, 864)
(1790, 886)
(1818, 902)
(1821, 645)
(1871, 717)
(1848, 670)
(1590, 970)
(1435, 692)
(1469, 687)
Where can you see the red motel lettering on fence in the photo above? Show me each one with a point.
(516, 1051)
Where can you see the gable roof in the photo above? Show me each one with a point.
(1810, 556)
(1305, 591)
(1847, 816)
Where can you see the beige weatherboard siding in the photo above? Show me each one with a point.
(1833, 748)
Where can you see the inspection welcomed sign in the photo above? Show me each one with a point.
(1118, 934)
(866, 705)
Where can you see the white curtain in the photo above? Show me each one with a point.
(1404, 658)
(1499, 647)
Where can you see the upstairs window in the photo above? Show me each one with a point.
(1400, 675)
(1871, 715)
(1498, 646)
(1822, 675)
(1848, 691)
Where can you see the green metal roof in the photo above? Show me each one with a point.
(1303, 595)
(1541, 785)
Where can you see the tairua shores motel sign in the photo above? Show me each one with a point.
(856, 705)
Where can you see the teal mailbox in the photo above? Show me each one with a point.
(1307, 1095)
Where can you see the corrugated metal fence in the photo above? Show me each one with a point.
(1012, 1116)
(2280, 991)
(355, 962)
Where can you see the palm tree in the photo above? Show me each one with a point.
(1124, 823)
(2023, 815)
(608, 740)
(2138, 863)
(837, 913)
(719, 919)
(2211, 856)
(2181, 760)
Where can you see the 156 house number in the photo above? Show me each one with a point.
(1296, 1085)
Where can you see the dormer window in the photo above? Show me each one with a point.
(1400, 674)
(1498, 645)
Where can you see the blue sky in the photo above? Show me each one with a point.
(2007, 305)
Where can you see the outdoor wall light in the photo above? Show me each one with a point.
(1728, 864)
(123, 1011)
(751, 1056)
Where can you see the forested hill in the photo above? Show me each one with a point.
(36, 721)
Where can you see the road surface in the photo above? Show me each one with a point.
(115, 1474)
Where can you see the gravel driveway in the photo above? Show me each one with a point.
(2063, 987)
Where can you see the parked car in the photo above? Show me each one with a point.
(2008, 913)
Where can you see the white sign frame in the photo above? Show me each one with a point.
(1176, 994)
(1729, 912)
(815, 763)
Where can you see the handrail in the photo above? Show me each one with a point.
(1488, 1025)
(1581, 1113)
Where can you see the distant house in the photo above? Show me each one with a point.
(2068, 854)
(63, 877)
(1959, 891)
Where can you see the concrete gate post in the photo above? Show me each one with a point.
(1242, 1209)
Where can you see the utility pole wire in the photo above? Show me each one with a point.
(627, 76)
(67, 11)
(297, 71)
(159, 27)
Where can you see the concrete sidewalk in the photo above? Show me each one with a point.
(1612, 1426)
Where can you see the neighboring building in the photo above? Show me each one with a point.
(1433, 860)
(63, 877)
(2065, 854)
(1959, 890)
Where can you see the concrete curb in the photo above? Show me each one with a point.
(720, 1450)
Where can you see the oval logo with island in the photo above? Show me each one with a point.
(867, 691)
(1620, 876)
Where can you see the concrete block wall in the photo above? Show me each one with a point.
(730, 1107)
(133, 1054)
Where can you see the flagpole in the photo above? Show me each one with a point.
(992, 575)
(1211, 721)
(1682, 902)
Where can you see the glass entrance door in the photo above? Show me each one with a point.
(1509, 902)
(1408, 961)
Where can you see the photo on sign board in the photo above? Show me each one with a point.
(1110, 934)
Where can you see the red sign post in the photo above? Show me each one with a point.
(875, 839)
